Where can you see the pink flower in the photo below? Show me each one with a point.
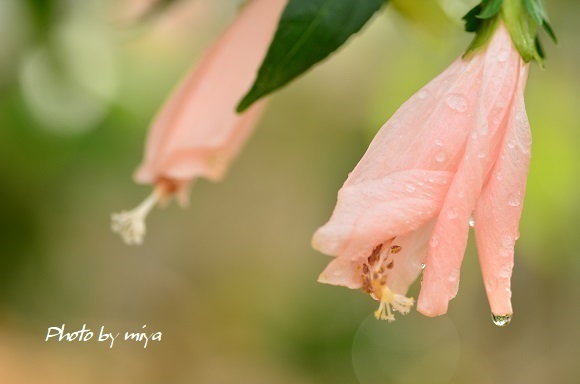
(198, 132)
(458, 151)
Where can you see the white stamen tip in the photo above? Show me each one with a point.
(130, 225)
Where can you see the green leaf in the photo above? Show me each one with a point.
(536, 10)
(308, 31)
(472, 22)
(550, 31)
(490, 9)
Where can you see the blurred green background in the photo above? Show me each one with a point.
(231, 281)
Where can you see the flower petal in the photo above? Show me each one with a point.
(499, 207)
(448, 241)
(371, 212)
(407, 263)
(198, 132)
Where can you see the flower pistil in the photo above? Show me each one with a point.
(374, 282)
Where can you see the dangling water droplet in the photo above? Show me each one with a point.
(503, 55)
(439, 142)
(440, 157)
(423, 94)
(471, 222)
(457, 102)
(501, 320)
(410, 187)
(515, 199)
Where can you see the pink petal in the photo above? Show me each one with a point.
(371, 212)
(447, 244)
(198, 132)
(499, 208)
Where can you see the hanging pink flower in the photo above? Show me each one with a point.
(198, 132)
(456, 153)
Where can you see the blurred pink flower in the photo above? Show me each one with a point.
(198, 132)
(456, 153)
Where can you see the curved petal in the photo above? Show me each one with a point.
(369, 213)
(407, 263)
(499, 207)
(198, 131)
(447, 244)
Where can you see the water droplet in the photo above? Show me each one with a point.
(457, 102)
(423, 94)
(501, 320)
(440, 157)
(511, 144)
(515, 199)
(434, 240)
(505, 272)
(503, 55)
(471, 222)
(499, 175)
(507, 242)
(420, 183)
(438, 142)
(409, 187)
(481, 155)
(452, 213)
(454, 280)
(423, 265)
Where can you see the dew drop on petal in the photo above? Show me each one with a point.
(507, 242)
(515, 199)
(499, 175)
(454, 280)
(503, 55)
(456, 102)
(434, 240)
(501, 320)
(505, 272)
(423, 94)
(452, 213)
(423, 265)
(440, 157)
(409, 187)
(439, 142)
(481, 155)
(471, 222)
(511, 144)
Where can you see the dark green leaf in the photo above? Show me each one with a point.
(472, 23)
(490, 9)
(536, 10)
(550, 31)
(309, 31)
(539, 48)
